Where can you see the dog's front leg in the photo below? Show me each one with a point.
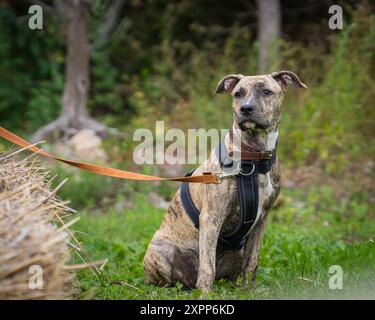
(251, 252)
(210, 223)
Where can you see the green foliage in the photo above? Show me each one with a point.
(30, 73)
(106, 97)
(45, 100)
(332, 121)
(295, 257)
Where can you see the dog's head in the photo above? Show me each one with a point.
(257, 99)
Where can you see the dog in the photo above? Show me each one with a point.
(178, 251)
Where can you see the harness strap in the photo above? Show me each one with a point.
(188, 203)
(248, 196)
(193, 212)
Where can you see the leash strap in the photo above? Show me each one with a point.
(248, 196)
(208, 177)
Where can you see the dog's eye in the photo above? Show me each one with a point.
(238, 94)
(267, 92)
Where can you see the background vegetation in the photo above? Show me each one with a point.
(163, 61)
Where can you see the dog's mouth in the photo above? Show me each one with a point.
(250, 124)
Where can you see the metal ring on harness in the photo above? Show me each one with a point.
(248, 174)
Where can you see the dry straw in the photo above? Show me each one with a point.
(34, 231)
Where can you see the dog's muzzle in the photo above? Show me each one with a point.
(250, 123)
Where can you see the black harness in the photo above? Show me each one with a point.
(246, 175)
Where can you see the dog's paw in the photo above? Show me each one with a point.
(204, 288)
(202, 296)
(246, 283)
(249, 284)
(254, 279)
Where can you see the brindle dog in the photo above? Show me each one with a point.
(179, 252)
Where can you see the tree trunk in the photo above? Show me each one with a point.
(269, 31)
(77, 63)
(74, 115)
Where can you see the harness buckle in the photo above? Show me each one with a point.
(268, 153)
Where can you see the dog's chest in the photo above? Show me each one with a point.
(267, 194)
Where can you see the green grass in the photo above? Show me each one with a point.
(306, 234)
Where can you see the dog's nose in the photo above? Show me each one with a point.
(247, 109)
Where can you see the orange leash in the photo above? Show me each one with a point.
(205, 178)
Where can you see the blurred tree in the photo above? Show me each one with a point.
(269, 31)
(74, 115)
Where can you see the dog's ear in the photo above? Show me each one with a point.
(288, 78)
(228, 83)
